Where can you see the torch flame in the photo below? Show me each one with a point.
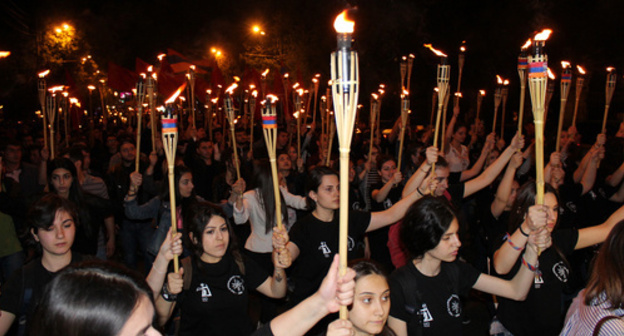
(143, 75)
(286, 75)
(192, 67)
(58, 88)
(91, 87)
(610, 69)
(565, 64)
(405, 93)
(236, 79)
(436, 89)
(231, 89)
(462, 48)
(150, 68)
(65, 94)
(382, 86)
(314, 80)
(404, 58)
(551, 75)
(458, 94)
(543, 35)
(482, 92)
(506, 82)
(161, 56)
(155, 76)
(252, 86)
(176, 94)
(300, 92)
(254, 93)
(43, 74)
(499, 80)
(272, 98)
(214, 100)
(342, 24)
(295, 86)
(527, 44)
(411, 56)
(265, 73)
(318, 75)
(375, 96)
(4, 54)
(580, 69)
(435, 51)
(73, 100)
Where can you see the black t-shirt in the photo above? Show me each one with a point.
(318, 242)
(216, 302)
(455, 194)
(92, 213)
(439, 297)
(542, 312)
(394, 195)
(24, 289)
(569, 209)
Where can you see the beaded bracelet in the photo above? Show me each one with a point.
(530, 267)
(513, 246)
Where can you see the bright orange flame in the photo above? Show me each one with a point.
(543, 35)
(580, 69)
(527, 44)
(143, 75)
(405, 92)
(57, 88)
(266, 72)
(300, 92)
(374, 96)
(231, 89)
(272, 98)
(44, 73)
(209, 91)
(435, 51)
(609, 69)
(462, 49)
(65, 94)
(254, 93)
(161, 56)
(565, 64)
(382, 86)
(252, 86)
(286, 75)
(150, 68)
(4, 54)
(506, 82)
(499, 80)
(411, 56)
(314, 80)
(214, 100)
(342, 24)
(458, 94)
(436, 89)
(236, 78)
(551, 75)
(175, 94)
(404, 58)
(295, 86)
(381, 92)
(155, 76)
(91, 87)
(482, 92)
(318, 75)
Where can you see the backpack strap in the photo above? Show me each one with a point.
(412, 294)
(187, 264)
(602, 322)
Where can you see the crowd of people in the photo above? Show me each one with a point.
(88, 241)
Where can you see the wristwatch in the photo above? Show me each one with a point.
(166, 295)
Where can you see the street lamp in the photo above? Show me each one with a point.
(91, 88)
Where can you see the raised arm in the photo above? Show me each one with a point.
(487, 177)
(476, 168)
(393, 214)
(379, 195)
(589, 177)
(448, 135)
(504, 188)
(597, 234)
(418, 177)
(506, 255)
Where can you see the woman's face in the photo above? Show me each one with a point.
(292, 153)
(512, 196)
(283, 162)
(550, 202)
(61, 181)
(215, 240)
(140, 322)
(327, 195)
(371, 305)
(388, 169)
(449, 244)
(460, 134)
(185, 185)
(58, 238)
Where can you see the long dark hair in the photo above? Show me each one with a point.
(263, 179)
(94, 298)
(164, 191)
(607, 276)
(424, 224)
(75, 191)
(195, 221)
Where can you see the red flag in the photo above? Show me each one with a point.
(121, 79)
(168, 81)
(141, 66)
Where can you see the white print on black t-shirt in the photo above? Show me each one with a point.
(205, 292)
(387, 203)
(453, 305)
(561, 271)
(538, 280)
(570, 205)
(325, 249)
(426, 314)
(236, 285)
(350, 244)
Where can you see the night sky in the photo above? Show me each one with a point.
(585, 32)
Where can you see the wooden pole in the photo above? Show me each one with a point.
(434, 99)
(609, 89)
(231, 117)
(170, 144)
(410, 65)
(269, 128)
(498, 96)
(345, 89)
(479, 104)
(444, 74)
(42, 87)
(580, 79)
(538, 80)
(151, 100)
(523, 65)
(66, 117)
(403, 69)
(252, 116)
(566, 80)
(331, 132)
(443, 128)
(191, 79)
(549, 94)
(51, 112)
(460, 62)
(404, 109)
(373, 118)
(140, 97)
(505, 94)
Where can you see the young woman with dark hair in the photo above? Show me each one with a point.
(603, 298)
(314, 238)
(426, 292)
(371, 304)
(94, 211)
(542, 312)
(212, 286)
(52, 228)
(95, 299)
